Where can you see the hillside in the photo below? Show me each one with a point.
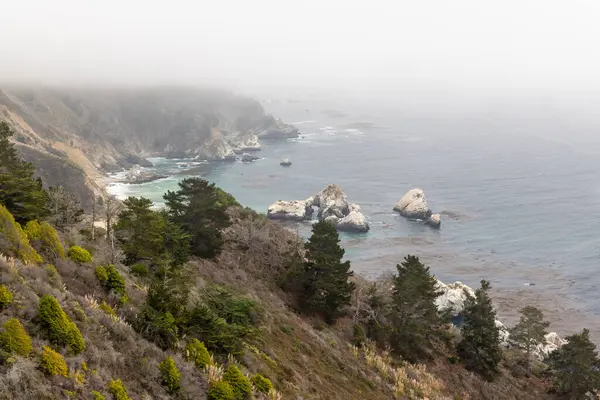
(77, 135)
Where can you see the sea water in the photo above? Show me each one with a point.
(517, 209)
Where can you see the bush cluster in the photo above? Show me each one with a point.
(140, 269)
(242, 388)
(79, 255)
(60, 329)
(117, 389)
(14, 338)
(262, 384)
(53, 363)
(47, 236)
(196, 352)
(6, 297)
(169, 374)
(221, 390)
(112, 281)
(107, 309)
(13, 240)
(97, 395)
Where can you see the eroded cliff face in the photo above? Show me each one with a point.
(104, 130)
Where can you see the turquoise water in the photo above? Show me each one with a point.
(516, 208)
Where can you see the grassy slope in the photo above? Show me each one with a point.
(304, 358)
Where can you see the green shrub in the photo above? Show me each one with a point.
(242, 388)
(79, 254)
(6, 297)
(112, 282)
(60, 329)
(169, 374)
(53, 363)
(97, 395)
(14, 338)
(101, 274)
(140, 270)
(107, 309)
(117, 389)
(47, 236)
(13, 240)
(196, 352)
(262, 384)
(221, 391)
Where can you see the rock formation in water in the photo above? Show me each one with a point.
(286, 162)
(244, 142)
(413, 205)
(137, 175)
(332, 206)
(248, 158)
(295, 210)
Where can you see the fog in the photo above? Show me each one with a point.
(461, 47)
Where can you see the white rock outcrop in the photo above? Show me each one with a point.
(453, 298)
(244, 142)
(215, 148)
(355, 221)
(413, 205)
(333, 199)
(295, 210)
(434, 221)
(285, 162)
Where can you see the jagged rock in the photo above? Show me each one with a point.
(286, 162)
(331, 211)
(248, 158)
(413, 205)
(353, 207)
(552, 342)
(332, 219)
(355, 221)
(244, 142)
(215, 148)
(310, 201)
(295, 210)
(434, 221)
(136, 175)
(333, 199)
(276, 129)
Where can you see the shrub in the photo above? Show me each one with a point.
(196, 352)
(61, 330)
(101, 274)
(139, 269)
(107, 309)
(13, 240)
(112, 281)
(79, 255)
(53, 363)
(221, 391)
(6, 297)
(262, 384)
(242, 388)
(97, 395)
(169, 374)
(117, 389)
(47, 236)
(14, 338)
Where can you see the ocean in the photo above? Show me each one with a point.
(518, 208)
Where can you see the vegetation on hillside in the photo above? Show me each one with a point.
(208, 300)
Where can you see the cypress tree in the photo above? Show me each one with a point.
(325, 286)
(576, 366)
(21, 193)
(480, 344)
(530, 331)
(414, 317)
(201, 210)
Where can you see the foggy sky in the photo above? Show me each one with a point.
(470, 45)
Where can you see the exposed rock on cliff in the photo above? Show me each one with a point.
(215, 148)
(272, 128)
(244, 142)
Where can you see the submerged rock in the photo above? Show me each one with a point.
(286, 162)
(247, 158)
(355, 221)
(434, 221)
(295, 210)
(413, 205)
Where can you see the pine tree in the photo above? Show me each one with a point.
(200, 209)
(480, 344)
(576, 366)
(325, 286)
(530, 331)
(414, 317)
(21, 193)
